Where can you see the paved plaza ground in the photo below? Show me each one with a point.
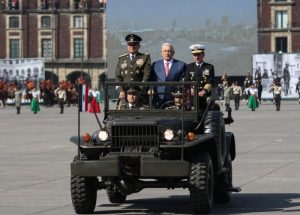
(36, 154)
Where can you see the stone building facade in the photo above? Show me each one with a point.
(68, 34)
(278, 26)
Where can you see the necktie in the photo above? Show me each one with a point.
(131, 107)
(131, 57)
(167, 68)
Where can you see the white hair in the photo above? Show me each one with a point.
(167, 44)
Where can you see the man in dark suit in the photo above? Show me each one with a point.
(132, 66)
(201, 72)
(167, 69)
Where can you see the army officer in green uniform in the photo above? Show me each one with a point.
(133, 66)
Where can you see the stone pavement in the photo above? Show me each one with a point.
(36, 154)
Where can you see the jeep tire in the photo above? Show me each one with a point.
(115, 195)
(83, 193)
(222, 194)
(201, 183)
(214, 124)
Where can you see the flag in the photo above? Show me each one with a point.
(85, 97)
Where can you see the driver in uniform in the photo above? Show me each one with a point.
(178, 99)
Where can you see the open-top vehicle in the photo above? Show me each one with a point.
(155, 147)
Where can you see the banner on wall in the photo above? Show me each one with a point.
(21, 70)
(284, 66)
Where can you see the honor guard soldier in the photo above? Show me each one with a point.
(247, 82)
(133, 66)
(276, 89)
(201, 72)
(298, 88)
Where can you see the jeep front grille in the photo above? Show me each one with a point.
(135, 136)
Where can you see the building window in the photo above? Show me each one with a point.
(14, 48)
(281, 44)
(45, 4)
(78, 48)
(13, 4)
(79, 4)
(14, 22)
(280, 0)
(78, 22)
(47, 48)
(46, 22)
(281, 19)
(49, 4)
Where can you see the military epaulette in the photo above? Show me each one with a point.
(123, 55)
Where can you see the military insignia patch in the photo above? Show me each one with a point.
(206, 72)
(140, 62)
(123, 65)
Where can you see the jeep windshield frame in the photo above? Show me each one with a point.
(111, 100)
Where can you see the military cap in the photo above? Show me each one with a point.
(197, 48)
(133, 90)
(133, 38)
(177, 91)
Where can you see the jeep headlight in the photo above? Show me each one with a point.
(103, 135)
(169, 134)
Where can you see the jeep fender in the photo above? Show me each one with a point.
(230, 143)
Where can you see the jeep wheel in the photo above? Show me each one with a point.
(83, 193)
(221, 193)
(214, 124)
(201, 184)
(115, 196)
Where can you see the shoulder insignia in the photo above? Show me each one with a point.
(123, 55)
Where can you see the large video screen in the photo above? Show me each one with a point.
(226, 28)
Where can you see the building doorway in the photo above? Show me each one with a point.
(51, 76)
(76, 75)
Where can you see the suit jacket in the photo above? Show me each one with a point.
(176, 73)
(204, 75)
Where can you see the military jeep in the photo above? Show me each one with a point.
(155, 147)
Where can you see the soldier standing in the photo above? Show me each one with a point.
(237, 92)
(227, 95)
(276, 88)
(18, 99)
(298, 88)
(258, 82)
(133, 66)
(247, 82)
(60, 92)
(201, 72)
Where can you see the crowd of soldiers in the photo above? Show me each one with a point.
(236, 92)
(46, 88)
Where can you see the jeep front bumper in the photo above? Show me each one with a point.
(149, 167)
